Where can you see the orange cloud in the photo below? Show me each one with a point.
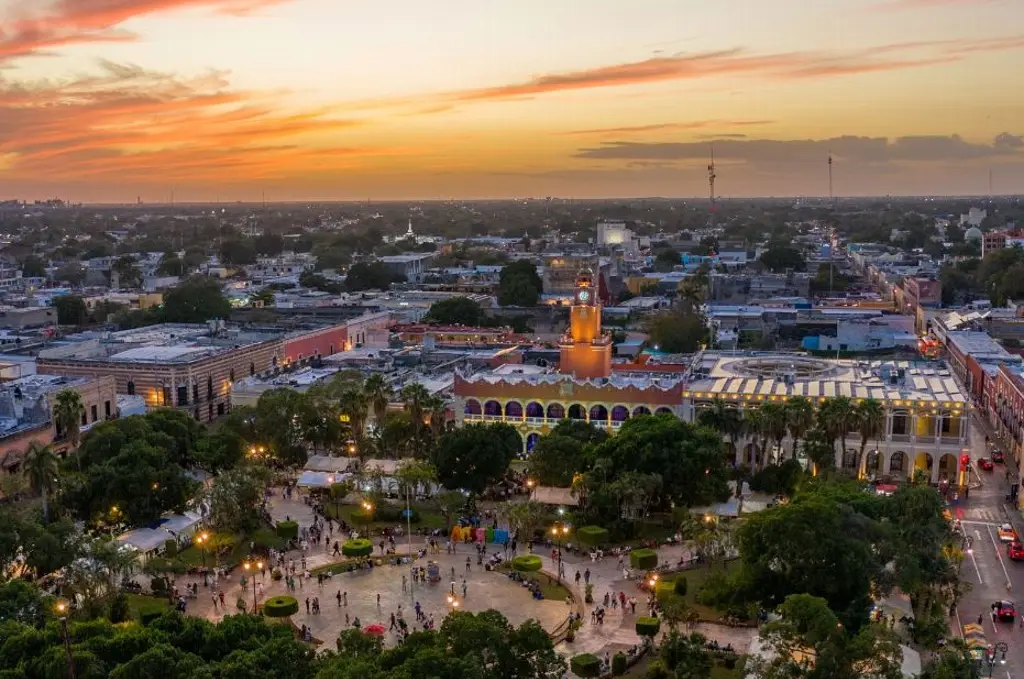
(129, 121)
(36, 26)
(661, 127)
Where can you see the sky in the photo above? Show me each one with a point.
(236, 100)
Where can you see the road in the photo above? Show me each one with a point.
(991, 574)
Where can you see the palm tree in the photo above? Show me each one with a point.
(724, 418)
(68, 410)
(836, 418)
(437, 414)
(41, 467)
(690, 295)
(756, 425)
(379, 393)
(799, 419)
(775, 424)
(416, 398)
(353, 404)
(870, 418)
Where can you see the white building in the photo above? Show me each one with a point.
(974, 217)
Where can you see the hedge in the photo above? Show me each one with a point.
(527, 562)
(644, 559)
(289, 530)
(151, 613)
(647, 627)
(592, 536)
(281, 607)
(618, 664)
(680, 585)
(585, 665)
(357, 547)
(267, 539)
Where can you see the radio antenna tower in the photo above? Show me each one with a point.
(711, 183)
(831, 199)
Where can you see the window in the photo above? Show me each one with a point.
(220, 409)
(252, 369)
(899, 424)
(332, 349)
(106, 409)
(131, 388)
(209, 387)
(84, 421)
(183, 395)
(195, 392)
(94, 412)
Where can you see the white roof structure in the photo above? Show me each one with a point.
(320, 479)
(326, 463)
(145, 539)
(769, 377)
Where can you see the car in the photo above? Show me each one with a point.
(1004, 611)
(1007, 533)
(985, 463)
(998, 457)
(1015, 550)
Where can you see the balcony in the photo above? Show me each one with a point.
(536, 421)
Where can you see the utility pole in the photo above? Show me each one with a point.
(831, 199)
(711, 184)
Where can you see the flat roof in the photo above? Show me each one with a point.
(978, 344)
(773, 376)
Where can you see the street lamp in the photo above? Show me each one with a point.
(368, 510)
(255, 567)
(560, 531)
(62, 610)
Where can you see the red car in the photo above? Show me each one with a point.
(1004, 611)
(985, 463)
(1015, 550)
(998, 457)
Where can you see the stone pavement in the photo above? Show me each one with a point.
(484, 590)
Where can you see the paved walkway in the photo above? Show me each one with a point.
(484, 590)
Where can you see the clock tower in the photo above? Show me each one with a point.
(586, 352)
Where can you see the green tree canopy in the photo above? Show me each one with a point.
(197, 300)
(519, 284)
(455, 311)
(676, 331)
(370, 276)
(70, 310)
(476, 456)
(783, 257)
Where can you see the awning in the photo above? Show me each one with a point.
(974, 637)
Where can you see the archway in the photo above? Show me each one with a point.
(577, 412)
(514, 409)
(947, 467)
(531, 441)
(534, 409)
(873, 462)
(898, 462)
(641, 410)
(620, 414)
(556, 411)
(663, 410)
(492, 408)
(923, 462)
(472, 407)
(599, 413)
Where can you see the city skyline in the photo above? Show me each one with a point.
(106, 100)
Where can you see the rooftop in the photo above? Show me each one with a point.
(772, 376)
(978, 345)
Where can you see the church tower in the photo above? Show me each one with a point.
(586, 352)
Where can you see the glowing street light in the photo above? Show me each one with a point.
(255, 567)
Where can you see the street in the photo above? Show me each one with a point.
(987, 567)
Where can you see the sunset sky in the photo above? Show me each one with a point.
(107, 100)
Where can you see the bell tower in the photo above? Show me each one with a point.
(586, 352)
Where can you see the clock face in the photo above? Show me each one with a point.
(583, 296)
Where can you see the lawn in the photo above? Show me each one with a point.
(230, 554)
(549, 587)
(695, 579)
(718, 669)
(138, 603)
(353, 516)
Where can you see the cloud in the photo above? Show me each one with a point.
(130, 121)
(661, 127)
(937, 149)
(738, 62)
(32, 27)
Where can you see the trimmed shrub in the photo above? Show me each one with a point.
(526, 562)
(280, 607)
(267, 539)
(396, 514)
(119, 610)
(730, 662)
(588, 594)
(356, 548)
(586, 665)
(656, 670)
(647, 627)
(592, 536)
(680, 585)
(618, 665)
(276, 574)
(158, 584)
(644, 559)
(148, 614)
(288, 530)
(171, 548)
(241, 605)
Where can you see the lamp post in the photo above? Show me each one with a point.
(560, 531)
(255, 567)
(530, 483)
(201, 540)
(62, 609)
(368, 509)
(990, 657)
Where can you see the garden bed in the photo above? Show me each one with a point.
(695, 581)
(549, 586)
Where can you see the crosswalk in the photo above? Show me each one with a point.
(980, 514)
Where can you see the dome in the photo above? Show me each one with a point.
(973, 234)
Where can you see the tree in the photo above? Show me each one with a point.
(799, 419)
(415, 397)
(235, 499)
(555, 459)
(667, 259)
(676, 331)
(450, 502)
(71, 273)
(369, 276)
(238, 252)
(70, 310)
(68, 411)
(33, 267)
(263, 298)
(41, 468)
(836, 418)
(127, 272)
(690, 295)
(869, 415)
(23, 603)
(519, 284)
(196, 300)
(775, 426)
(526, 518)
(686, 656)
(476, 456)
(379, 393)
(170, 265)
(780, 257)
(725, 418)
(455, 311)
